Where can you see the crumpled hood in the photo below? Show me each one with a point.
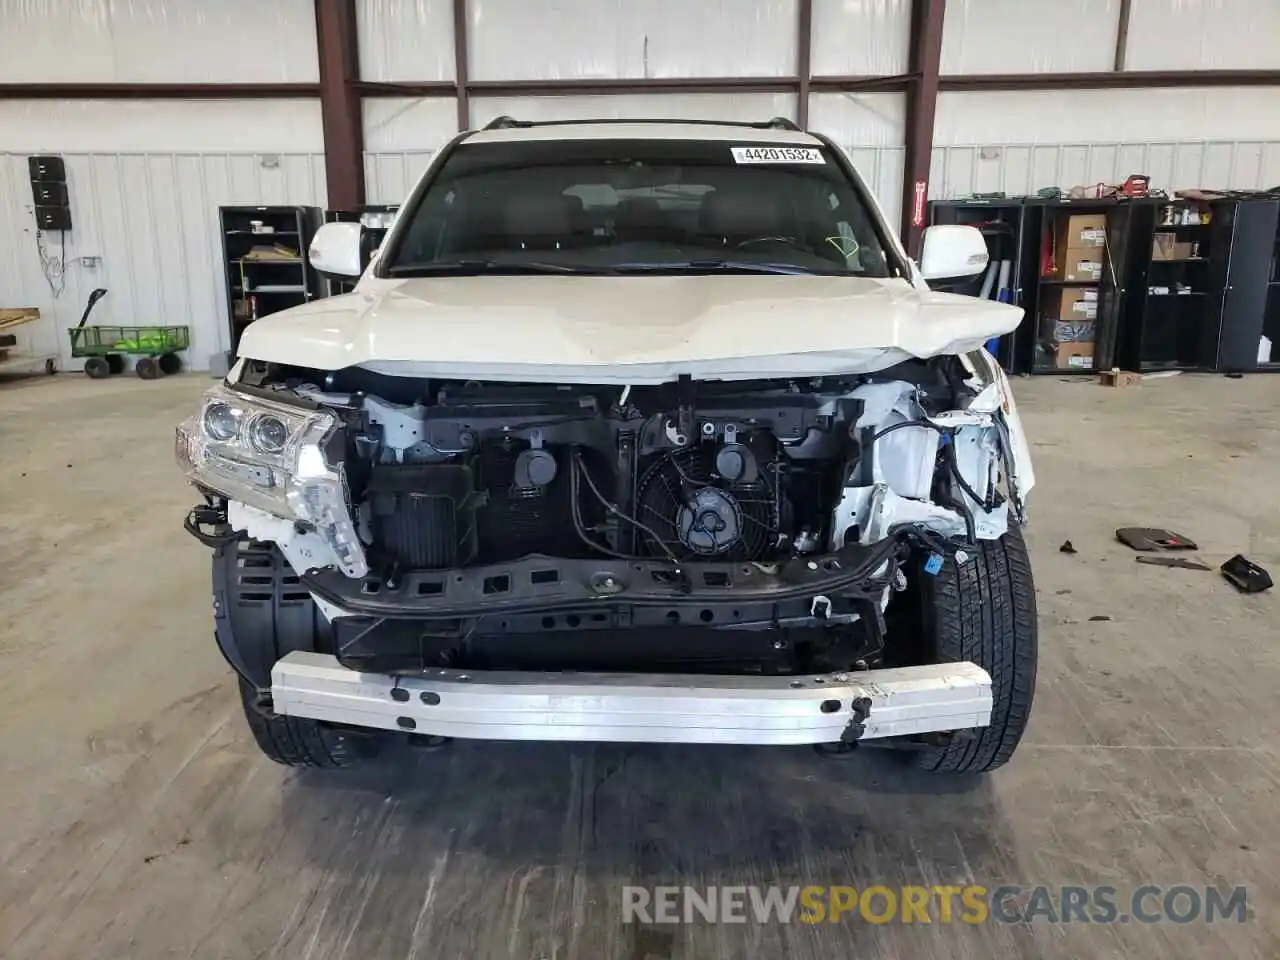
(626, 330)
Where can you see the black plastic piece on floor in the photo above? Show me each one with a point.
(1068, 547)
(1154, 538)
(1246, 575)
(1183, 562)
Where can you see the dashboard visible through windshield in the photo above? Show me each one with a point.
(634, 206)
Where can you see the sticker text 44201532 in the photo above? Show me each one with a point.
(777, 155)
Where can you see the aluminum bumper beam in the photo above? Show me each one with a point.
(638, 708)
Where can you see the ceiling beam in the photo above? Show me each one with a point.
(340, 115)
(1129, 79)
(156, 91)
(924, 57)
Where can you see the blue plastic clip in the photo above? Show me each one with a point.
(933, 566)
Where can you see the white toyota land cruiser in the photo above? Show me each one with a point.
(631, 431)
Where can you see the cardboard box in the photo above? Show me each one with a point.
(1166, 246)
(1116, 377)
(1074, 356)
(1078, 265)
(1081, 231)
(1071, 303)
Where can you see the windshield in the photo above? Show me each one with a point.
(620, 206)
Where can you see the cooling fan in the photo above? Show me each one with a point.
(697, 513)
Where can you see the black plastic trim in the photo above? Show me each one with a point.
(448, 594)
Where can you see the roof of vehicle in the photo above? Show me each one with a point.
(643, 130)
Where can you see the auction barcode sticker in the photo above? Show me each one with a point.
(777, 155)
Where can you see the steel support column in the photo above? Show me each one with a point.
(924, 58)
(804, 59)
(461, 77)
(340, 103)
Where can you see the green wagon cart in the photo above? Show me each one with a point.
(107, 349)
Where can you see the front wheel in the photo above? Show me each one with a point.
(299, 741)
(261, 613)
(984, 611)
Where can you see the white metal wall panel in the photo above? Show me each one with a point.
(1017, 36)
(421, 123)
(868, 127)
(1204, 35)
(1018, 142)
(400, 138)
(405, 39)
(860, 37)
(145, 201)
(1104, 116)
(157, 41)
(1022, 168)
(675, 106)
(606, 39)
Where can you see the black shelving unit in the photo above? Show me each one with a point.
(1057, 338)
(376, 219)
(1003, 222)
(264, 253)
(1271, 311)
(1245, 290)
(1172, 320)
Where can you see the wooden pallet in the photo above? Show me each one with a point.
(16, 316)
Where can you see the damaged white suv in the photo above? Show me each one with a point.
(631, 431)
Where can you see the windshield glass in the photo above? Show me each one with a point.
(617, 206)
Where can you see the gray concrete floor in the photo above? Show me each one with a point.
(137, 820)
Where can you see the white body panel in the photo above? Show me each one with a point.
(626, 330)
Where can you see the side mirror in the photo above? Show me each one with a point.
(335, 250)
(953, 251)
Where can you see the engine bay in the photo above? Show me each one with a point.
(452, 474)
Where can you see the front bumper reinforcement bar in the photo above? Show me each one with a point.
(638, 708)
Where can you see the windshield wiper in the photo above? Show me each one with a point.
(466, 268)
(727, 266)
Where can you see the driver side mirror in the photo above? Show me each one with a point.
(335, 251)
(951, 250)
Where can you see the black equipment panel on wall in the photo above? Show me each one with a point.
(49, 193)
(47, 169)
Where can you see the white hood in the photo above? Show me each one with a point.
(627, 330)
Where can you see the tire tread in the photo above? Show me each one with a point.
(985, 612)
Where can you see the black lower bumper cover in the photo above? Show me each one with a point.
(263, 609)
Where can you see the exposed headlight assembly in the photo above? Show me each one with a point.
(271, 455)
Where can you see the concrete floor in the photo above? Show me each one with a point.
(139, 821)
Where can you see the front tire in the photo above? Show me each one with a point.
(299, 741)
(262, 612)
(984, 611)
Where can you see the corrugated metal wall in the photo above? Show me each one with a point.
(1019, 142)
(515, 40)
(145, 181)
(157, 41)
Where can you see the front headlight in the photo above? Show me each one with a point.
(270, 455)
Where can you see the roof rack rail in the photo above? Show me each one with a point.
(775, 123)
